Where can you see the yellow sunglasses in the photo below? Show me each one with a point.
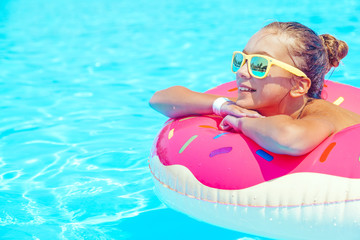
(259, 65)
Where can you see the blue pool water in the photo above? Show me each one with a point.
(75, 126)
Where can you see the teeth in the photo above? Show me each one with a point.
(246, 89)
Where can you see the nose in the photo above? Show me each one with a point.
(243, 72)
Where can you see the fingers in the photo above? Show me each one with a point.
(253, 115)
(229, 122)
(236, 111)
(224, 126)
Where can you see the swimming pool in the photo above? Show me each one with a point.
(75, 126)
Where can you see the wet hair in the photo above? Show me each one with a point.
(317, 54)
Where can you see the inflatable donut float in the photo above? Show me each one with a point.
(226, 179)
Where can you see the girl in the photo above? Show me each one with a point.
(280, 75)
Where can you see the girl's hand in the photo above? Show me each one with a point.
(230, 108)
(234, 116)
(230, 122)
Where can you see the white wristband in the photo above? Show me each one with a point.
(218, 103)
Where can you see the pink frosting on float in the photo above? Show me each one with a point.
(228, 160)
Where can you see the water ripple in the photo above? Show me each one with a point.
(75, 127)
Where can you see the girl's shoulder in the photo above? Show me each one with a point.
(338, 116)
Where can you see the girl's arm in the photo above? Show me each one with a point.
(282, 134)
(179, 101)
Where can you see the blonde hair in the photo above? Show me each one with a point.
(318, 54)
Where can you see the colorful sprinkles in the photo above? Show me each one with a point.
(339, 101)
(221, 134)
(183, 119)
(327, 151)
(171, 133)
(264, 155)
(187, 143)
(207, 126)
(232, 89)
(220, 151)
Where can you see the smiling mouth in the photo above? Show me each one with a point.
(245, 89)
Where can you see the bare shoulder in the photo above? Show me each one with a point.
(328, 112)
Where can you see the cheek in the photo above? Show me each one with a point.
(268, 93)
(280, 77)
(272, 92)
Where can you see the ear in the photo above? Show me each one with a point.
(301, 87)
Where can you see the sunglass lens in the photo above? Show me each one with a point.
(237, 61)
(258, 66)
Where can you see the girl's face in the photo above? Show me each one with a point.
(268, 95)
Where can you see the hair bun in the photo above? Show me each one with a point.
(336, 49)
